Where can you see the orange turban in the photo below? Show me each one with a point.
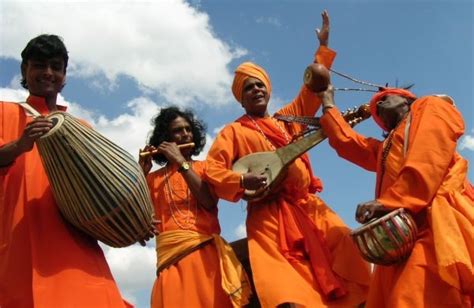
(379, 95)
(244, 71)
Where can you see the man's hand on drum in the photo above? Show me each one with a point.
(370, 209)
(252, 181)
(172, 153)
(153, 231)
(146, 161)
(33, 130)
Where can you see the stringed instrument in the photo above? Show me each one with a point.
(273, 164)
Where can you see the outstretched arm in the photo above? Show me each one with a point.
(347, 142)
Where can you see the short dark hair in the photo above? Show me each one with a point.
(44, 46)
(161, 130)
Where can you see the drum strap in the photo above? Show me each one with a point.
(30, 111)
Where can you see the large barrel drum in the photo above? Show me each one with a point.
(98, 186)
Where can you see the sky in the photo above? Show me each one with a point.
(128, 59)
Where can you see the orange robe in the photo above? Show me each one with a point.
(195, 280)
(44, 262)
(423, 171)
(276, 279)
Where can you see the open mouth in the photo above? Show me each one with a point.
(259, 97)
(46, 82)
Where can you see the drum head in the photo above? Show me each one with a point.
(57, 118)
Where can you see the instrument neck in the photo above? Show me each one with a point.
(292, 151)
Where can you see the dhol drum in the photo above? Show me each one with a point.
(387, 240)
(98, 186)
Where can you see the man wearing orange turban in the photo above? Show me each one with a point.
(244, 71)
(300, 251)
(418, 169)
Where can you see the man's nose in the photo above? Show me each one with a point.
(256, 89)
(48, 70)
(187, 131)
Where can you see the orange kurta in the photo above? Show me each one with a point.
(423, 171)
(276, 279)
(44, 262)
(195, 280)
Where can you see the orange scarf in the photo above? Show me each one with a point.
(300, 239)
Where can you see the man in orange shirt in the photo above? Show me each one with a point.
(196, 267)
(44, 262)
(419, 169)
(300, 250)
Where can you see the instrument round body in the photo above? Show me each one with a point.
(98, 186)
(387, 240)
(316, 77)
(262, 163)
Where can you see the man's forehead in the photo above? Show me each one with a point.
(54, 59)
(180, 122)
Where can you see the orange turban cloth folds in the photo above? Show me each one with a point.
(244, 71)
(381, 94)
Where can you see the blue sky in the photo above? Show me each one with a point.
(129, 58)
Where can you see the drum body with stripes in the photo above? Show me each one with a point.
(387, 240)
(98, 186)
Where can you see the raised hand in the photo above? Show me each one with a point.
(323, 33)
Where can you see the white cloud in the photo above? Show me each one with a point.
(240, 231)
(467, 142)
(168, 47)
(133, 268)
(131, 129)
(13, 95)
